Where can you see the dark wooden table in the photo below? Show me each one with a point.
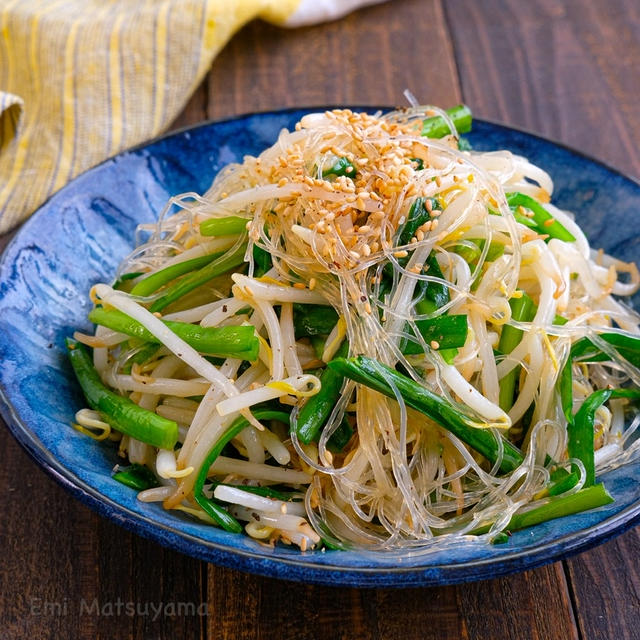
(568, 70)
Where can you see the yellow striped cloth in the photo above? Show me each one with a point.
(81, 80)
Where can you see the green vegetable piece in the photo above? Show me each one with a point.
(342, 167)
(137, 477)
(472, 250)
(227, 226)
(341, 436)
(437, 127)
(500, 538)
(527, 222)
(265, 492)
(313, 320)
(262, 261)
(123, 279)
(583, 500)
(522, 310)
(153, 282)
(225, 342)
(418, 162)
(418, 215)
(448, 355)
(557, 473)
(626, 346)
(469, 253)
(580, 428)
(220, 515)
(378, 377)
(229, 260)
(564, 484)
(449, 331)
(334, 544)
(496, 249)
(145, 353)
(436, 294)
(542, 220)
(121, 413)
(318, 344)
(215, 511)
(317, 409)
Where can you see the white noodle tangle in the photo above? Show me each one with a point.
(330, 208)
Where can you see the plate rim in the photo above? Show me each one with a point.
(296, 567)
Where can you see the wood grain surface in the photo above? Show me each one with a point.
(567, 70)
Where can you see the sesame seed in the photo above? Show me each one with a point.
(434, 345)
(299, 285)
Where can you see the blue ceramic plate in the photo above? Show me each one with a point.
(78, 238)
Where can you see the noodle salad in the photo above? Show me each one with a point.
(369, 336)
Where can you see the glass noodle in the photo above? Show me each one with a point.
(467, 322)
